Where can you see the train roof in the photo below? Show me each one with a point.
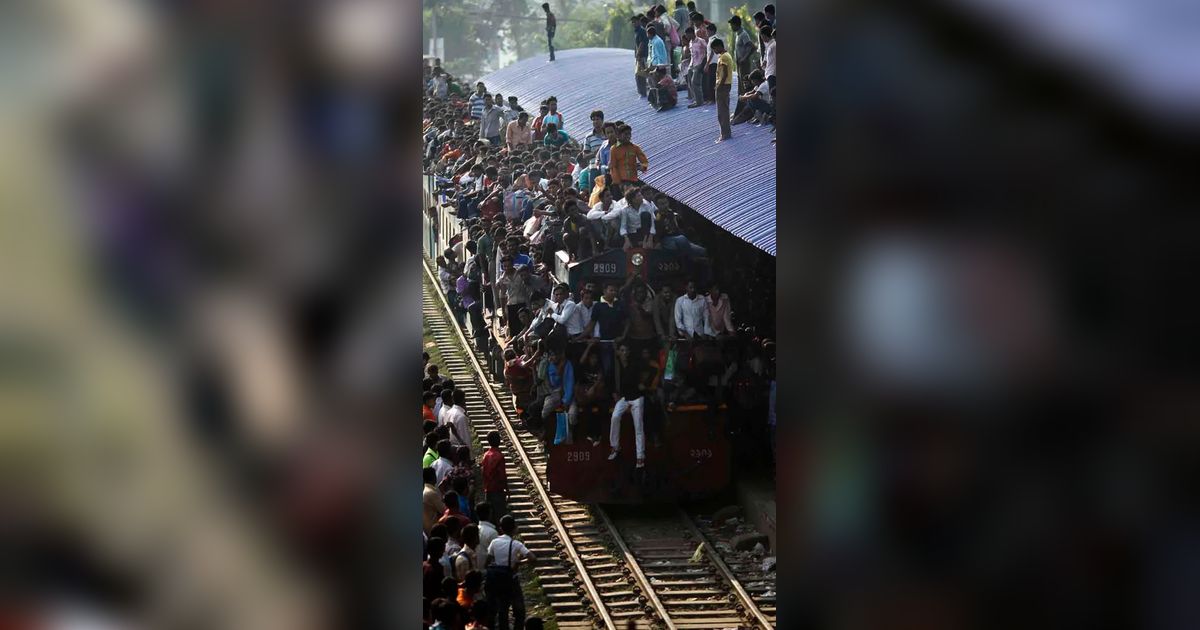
(731, 184)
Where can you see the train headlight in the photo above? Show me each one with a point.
(637, 260)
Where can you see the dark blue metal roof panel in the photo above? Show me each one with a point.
(731, 183)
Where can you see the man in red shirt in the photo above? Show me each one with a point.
(427, 400)
(495, 479)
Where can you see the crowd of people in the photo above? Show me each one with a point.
(578, 360)
(682, 50)
(471, 556)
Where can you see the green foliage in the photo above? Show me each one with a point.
(583, 29)
(617, 32)
(467, 35)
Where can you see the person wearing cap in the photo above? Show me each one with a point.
(518, 132)
(743, 57)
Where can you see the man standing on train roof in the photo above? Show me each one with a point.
(627, 160)
(475, 103)
(491, 122)
(551, 26)
(628, 397)
(743, 50)
(681, 13)
(723, 85)
(593, 140)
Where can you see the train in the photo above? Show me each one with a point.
(694, 458)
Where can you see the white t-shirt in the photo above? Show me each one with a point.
(764, 91)
(498, 551)
(769, 63)
(487, 533)
(456, 417)
(441, 466)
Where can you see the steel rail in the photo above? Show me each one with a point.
(535, 481)
(736, 584)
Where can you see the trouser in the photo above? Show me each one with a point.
(514, 322)
(696, 84)
(680, 243)
(723, 110)
(495, 140)
(499, 503)
(640, 79)
(710, 82)
(771, 82)
(743, 84)
(636, 408)
(478, 325)
(674, 64)
(515, 599)
(550, 43)
(660, 99)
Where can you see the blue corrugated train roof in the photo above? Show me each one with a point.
(731, 183)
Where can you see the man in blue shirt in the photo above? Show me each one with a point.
(561, 376)
(608, 321)
(658, 50)
(605, 150)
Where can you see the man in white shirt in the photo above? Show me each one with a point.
(635, 212)
(691, 314)
(442, 465)
(454, 414)
(504, 551)
(487, 533)
(576, 316)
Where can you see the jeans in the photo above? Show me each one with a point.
(550, 43)
(680, 243)
(710, 82)
(636, 407)
(696, 84)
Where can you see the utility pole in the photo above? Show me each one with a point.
(433, 24)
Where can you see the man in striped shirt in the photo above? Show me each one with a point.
(475, 103)
(593, 140)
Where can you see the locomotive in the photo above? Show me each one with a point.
(693, 459)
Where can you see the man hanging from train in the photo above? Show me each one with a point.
(630, 396)
(560, 375)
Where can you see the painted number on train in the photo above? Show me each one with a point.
(605, 269)
(579, 456)
(701, 453)
(668, 266)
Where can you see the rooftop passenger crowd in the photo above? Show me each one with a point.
(578, 360)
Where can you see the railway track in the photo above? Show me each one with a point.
(596, 569)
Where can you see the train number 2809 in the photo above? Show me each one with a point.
(701, 453)
(605, 269)
(579, 456)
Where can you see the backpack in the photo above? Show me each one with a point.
(454, 564)
(673, 29)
